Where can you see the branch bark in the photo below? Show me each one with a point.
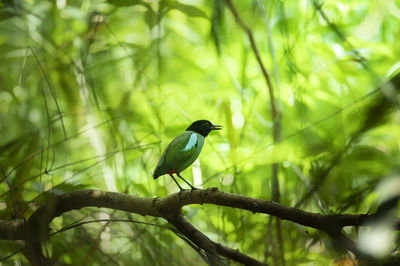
(210, 246)
(169, 208)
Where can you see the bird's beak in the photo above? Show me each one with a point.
(216, 127)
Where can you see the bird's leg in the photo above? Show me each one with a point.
(180, 188)
(192, 187)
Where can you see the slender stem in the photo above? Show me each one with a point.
(276, 117)
(254, 47)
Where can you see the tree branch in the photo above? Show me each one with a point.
(196, 237)
(169, 208)
(208, 245)
(350, 245)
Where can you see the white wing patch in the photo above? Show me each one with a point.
(192, 142)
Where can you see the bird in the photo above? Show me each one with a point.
(183, 150)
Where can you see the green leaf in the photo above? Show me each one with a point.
(121, 3)
(216, 23)
(6, 14)
(188, 9)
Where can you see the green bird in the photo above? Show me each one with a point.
(184, 150)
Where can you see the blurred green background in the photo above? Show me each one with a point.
(92, 91)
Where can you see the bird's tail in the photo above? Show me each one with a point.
(155, 174)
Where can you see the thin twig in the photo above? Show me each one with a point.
(276, 117)
(254, 47)
(52, 91)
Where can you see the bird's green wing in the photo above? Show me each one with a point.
(180, 153)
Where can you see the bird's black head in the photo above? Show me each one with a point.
(203, 127)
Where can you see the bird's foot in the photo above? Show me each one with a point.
(181, 194)
(182, 190)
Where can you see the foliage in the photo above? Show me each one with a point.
(93, 91)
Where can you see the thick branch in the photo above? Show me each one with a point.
(350, 245)
(208, 245)
(169, 208)
(314, 220)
